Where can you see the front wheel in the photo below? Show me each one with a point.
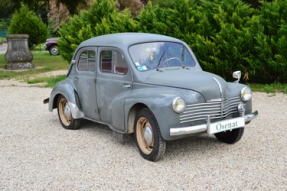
(148, 137)
(54, 50)
(231, 136)
(65, 115)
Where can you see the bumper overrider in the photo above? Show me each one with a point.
(204, 127)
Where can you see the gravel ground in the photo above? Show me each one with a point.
(38, 154)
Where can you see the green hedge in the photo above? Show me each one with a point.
(225, 35)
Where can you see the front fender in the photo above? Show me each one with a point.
(159, 101)
(66, 89)
(234, 90)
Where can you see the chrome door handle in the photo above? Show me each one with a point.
(76, 78)
(127, 86)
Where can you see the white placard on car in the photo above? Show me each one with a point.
(226, 125)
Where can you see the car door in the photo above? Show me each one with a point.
(114, 83)
(84, 81)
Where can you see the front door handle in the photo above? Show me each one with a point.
(76, 78)
(127, 86)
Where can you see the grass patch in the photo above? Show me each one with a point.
(53, 81)
(49, 81)
(269, 88)
(41, 59)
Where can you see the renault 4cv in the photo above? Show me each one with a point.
(153, 86)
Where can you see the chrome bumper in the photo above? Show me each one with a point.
(204, 127)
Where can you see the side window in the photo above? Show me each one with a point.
(87, 61)
(92, 60)
(113, 62)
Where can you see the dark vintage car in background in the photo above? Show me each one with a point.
(52, 46)
(153, 86)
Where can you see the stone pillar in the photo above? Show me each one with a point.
(18, 54)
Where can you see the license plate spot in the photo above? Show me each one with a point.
(226, 125)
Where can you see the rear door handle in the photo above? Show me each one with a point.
(76, 78)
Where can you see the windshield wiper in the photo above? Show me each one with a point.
(158, 65)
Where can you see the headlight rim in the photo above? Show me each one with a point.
(174, 104)
(242, 92)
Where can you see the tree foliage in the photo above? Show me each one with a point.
(6, 13)
(72, 6)
(26, 22)
(271, 44)
(224, 35)
(102, 18)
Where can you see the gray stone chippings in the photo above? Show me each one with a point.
(36, 153)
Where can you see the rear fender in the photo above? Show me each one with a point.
(66, 89)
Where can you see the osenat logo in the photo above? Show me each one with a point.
(219, 126)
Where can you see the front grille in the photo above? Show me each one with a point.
(215, 109)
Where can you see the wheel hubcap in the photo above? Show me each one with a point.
(67, 111)
(55, 51)
(147, 135)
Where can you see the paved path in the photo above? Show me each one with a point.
(3, 48)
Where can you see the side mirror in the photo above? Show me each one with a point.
(73, 61)
(237, 75)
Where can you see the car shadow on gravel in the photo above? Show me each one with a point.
(104, 130)
(182, 147)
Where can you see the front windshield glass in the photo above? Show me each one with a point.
(154, 55)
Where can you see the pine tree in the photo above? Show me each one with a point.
(26, 22)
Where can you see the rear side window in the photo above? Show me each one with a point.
(113, 62)
(87, 61)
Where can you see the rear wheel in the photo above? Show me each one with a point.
(148, 137)
(231, 136)
(65, 115)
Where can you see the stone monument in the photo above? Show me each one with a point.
(18, 54)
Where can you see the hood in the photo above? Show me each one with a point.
(202, 82)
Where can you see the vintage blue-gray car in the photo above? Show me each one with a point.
(153, 86)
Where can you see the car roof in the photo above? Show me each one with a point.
(126, 39)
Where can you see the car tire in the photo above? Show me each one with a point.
(65, 115)
(54, 50)
(230, 137)
(150, 143)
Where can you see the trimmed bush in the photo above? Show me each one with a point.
(270, 57)
(26, 22)
(102, 18)
(225, 35)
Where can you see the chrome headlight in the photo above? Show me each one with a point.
(246, 94)
(178, 105)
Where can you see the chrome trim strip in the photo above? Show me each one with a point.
(213, 117)
(204, 127)
(76, 113)
(211, 113)
(188, 130)
(220, 89)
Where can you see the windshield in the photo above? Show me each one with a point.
(154, 55)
